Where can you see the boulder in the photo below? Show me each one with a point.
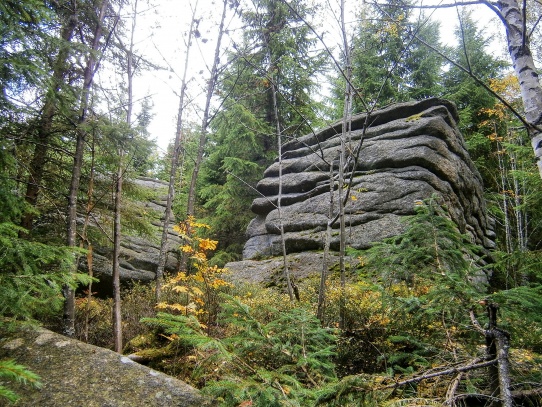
(398, 155)
(74, 373)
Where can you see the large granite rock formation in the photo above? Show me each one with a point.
(74, 373)
(139, 253)
(406, 152)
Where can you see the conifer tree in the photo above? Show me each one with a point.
(276, 54)
(388, 64)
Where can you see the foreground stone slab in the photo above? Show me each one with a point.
(75, 374)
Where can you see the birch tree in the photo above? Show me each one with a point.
(518, 32)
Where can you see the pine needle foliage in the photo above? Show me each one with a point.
(13, 372)
(429, 277)
(433, 259)
(283, 361)
(32, 274)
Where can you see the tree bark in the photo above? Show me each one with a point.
(117, 316)
(205, 121)
(90, 69)
(117, 226)
(84, 237)
(347, 119)
(522, 59)
(162, 258)
(45, 124)
(321, 310)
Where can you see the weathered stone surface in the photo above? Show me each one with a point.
(76, 374)
(409, 152)
(270, 271)
(139, 254)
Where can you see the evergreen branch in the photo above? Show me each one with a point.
(328, 51)
(305, 120)
(11, 370)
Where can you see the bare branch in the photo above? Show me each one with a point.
(473, 366)
(478, 81)
(492, 6)
(475, 323)
(337, 64)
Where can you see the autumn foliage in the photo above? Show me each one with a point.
(198, 290)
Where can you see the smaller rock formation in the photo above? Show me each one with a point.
(397, 156)
(75, 374)
(139, 254)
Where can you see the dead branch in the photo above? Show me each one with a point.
(473, 366)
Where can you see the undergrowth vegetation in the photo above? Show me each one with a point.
(409, 309)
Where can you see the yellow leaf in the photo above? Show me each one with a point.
(178, 307)
(207, 244)
(201, 257)
(196, 291)
(180, 289)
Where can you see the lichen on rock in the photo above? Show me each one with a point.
(406, 152)
(77, 374)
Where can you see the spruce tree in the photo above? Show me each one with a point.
(470, 98)
(277, 51)
(388, 64)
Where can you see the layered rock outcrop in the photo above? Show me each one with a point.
(139, 253)
(398, 155)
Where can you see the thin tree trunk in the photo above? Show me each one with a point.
(174, 166)
(321, 310)
(518, 211)
(84, 238)
(342, 161)
(278, 133)
(90, 69)
(45, 125)
(117, 226)
(117, 316)
(211, 84)
(503, 348)
(498, 342)
(287, 276)
(505, 199)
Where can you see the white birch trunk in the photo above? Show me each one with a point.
(522, 59)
